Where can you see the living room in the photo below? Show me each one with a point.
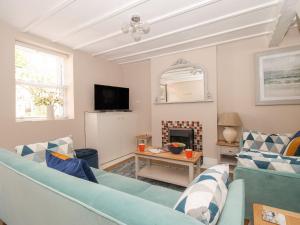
(227, 43)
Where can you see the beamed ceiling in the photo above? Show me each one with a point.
(94, 26)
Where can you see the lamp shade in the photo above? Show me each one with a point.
(230, 119)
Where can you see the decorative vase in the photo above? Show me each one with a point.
(50, 112)
(230, 134)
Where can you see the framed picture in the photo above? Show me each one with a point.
(278, 76)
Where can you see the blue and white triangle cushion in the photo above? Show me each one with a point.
(276, 143)
(269, 160)
(66, 142)
(24, 150)
(204, 199)
(63, 141)
(40, 156)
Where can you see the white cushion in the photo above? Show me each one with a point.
(204, 199)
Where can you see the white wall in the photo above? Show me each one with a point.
(205, 112)
(236, 86)
(87, 71)
(137, 79)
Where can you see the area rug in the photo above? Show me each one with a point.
(127, 169)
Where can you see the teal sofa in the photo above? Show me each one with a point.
(33, 194)
(269, 187)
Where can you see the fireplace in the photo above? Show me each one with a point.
(182, 126)
(183, 135)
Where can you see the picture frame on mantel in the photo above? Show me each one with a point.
(278, 76)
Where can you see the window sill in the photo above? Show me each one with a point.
(20, 120)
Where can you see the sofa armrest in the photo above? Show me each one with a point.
(274, 188)
(233, 212)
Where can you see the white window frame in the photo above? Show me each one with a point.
(62, 86)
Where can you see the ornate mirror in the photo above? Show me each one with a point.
(183, 82)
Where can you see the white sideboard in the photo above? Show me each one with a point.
(113, 134)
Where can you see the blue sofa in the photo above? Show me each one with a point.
(265, 186)
(269, 187)
(33, 194)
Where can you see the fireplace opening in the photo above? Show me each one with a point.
(183, 135)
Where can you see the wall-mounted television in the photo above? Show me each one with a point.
(111, 98)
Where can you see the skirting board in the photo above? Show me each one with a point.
(116, 161)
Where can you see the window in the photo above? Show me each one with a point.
(40, 81)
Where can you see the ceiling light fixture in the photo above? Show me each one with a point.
(136, 28)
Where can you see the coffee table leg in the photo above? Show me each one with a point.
(198, 167)
(137, 167)
(191, 172)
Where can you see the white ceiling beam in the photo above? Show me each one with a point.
(198, 47)
(203, 23)
(196, 39)
(154, 20)
(285, 20)
(52, 11)
(107, 15)
(183, 10)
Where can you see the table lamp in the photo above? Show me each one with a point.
(230, 120)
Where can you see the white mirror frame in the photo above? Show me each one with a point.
(182, 63)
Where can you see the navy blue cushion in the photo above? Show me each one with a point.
(72, 166)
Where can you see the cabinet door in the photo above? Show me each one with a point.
(128, 133)
(109, 137)
(91, 130)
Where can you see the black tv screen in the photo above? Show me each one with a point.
(111, 98)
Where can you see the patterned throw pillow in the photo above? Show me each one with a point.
(40, 156)
(205, 197)
(253, 140)
(24, 150)
(293, 148)
(62, 141)
(270, 161)
(71, 166)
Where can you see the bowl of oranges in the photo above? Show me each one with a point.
(176, 147)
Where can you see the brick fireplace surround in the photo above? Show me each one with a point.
(195, 125)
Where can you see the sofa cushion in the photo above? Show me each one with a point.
(205, 197)
(293, 148)
(40, 156)
(63, 141)
(24, 150)
(268, 160)
(122, 183)
(71, 166)
(258, 141)
(66, 142)
(160, 195)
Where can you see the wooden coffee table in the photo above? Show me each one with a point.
(292, 218)
(168, 174)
